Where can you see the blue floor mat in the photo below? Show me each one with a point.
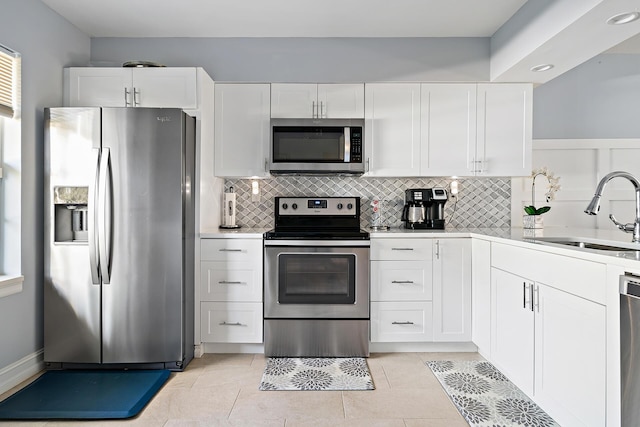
(84, 395)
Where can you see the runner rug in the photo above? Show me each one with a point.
(316, 373)
(485, 397)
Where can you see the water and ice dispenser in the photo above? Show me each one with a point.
(71, 214)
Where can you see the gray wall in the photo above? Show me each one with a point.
(599, 99)
(334, 60)
(47, 44)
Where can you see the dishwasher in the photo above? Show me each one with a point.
(630, 349)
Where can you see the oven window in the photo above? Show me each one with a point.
(305, 144)
(316, 278)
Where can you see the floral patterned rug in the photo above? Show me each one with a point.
(485, 397)
(316, 373)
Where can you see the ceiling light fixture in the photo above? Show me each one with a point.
(541, 67)
(623, 18)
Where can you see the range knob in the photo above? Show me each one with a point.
(294, 206)
(350, 206)
(285, 206)
(339, 206)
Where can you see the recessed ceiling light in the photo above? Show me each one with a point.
(623, 18)
(541, 67)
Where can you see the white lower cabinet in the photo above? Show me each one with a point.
(512, 321)
(231, 290)
(420, 290)
(231, 322)
(452, 290)
(570, 369)
(481, 295)
(406, 321)
(550, 341)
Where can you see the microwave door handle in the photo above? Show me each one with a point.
(347, 144)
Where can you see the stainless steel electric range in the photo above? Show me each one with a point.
(316, 279)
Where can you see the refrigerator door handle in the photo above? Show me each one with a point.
(91, 223)
(104, 216)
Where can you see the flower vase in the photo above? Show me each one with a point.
(532, 221)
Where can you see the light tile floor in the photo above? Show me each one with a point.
(222, 390)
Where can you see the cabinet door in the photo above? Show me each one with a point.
(174, 87)
(452, 290)
(504, 145)
(392, 129)
(241, 130)
(570, 337)
(95, 86)
(512, 325)
(481, 295)
(341, 101)
(294, 100)
(448, 131)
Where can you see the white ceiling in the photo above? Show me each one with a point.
(287, 18)
(563, 32)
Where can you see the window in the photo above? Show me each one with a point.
(10, 173)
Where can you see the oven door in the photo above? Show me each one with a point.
(316, 279)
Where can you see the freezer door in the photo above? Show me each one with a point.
(71, 298)
(144, 234)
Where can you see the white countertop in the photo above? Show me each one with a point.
(517, 236)
(238, 233)
(528, 238)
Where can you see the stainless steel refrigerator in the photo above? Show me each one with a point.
(119, 238)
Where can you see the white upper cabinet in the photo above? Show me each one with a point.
(341, 101)
(462, 129)
(131, 87)
(242, 126)
(448, 131)
(392, 129)
(503, 146)
(317, 101)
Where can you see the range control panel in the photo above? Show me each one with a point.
(316, 205)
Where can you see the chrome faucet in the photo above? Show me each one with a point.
(594, 206)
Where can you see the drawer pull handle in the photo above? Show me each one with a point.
(230, 250)
(401, 249)
(402, 323)
(224, 282)
(231, 324)
(403, 281)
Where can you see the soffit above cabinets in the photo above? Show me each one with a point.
(523, 33)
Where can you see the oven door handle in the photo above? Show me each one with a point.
(315, 243)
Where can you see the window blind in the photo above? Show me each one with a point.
(7, 83)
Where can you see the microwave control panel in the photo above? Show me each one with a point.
(356, 145)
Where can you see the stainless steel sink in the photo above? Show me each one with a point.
(592, 244)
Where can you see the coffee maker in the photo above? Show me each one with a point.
(424, 208)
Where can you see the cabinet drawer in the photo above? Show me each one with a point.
(240, 250)
(401, 249)
(231, 322)
(401, 321)
(230, 281)
(401, 281)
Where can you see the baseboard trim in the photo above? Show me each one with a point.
(232, 348)
(422, 347)
(22, 370)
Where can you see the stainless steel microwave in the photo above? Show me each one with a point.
(317, 146)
